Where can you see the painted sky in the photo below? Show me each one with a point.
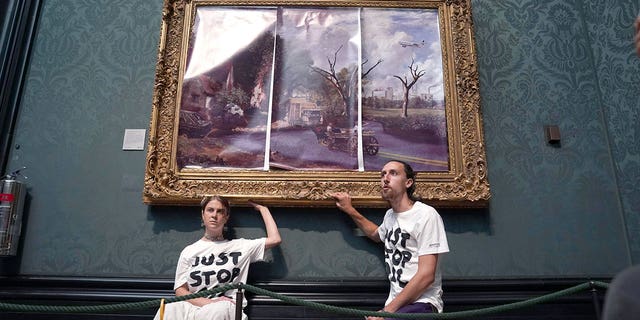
(383, 31)
(222, 32)
(323, 31)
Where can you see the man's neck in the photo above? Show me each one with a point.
(401, 204)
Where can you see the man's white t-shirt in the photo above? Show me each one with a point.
(406, 236)
(205, 264)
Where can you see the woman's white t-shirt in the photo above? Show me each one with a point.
(205, 264)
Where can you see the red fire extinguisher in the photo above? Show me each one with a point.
(12, 197)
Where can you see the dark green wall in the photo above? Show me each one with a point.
(554, 212)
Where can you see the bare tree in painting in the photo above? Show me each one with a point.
(408, 84)
(345, 81)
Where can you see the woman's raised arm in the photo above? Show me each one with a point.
(273, 235)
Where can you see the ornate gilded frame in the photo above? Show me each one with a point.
(464, 184)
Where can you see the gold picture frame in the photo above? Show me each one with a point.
(460, 181)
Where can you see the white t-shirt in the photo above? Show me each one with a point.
(406, 236)
(204, 264)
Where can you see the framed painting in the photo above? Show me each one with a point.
(287, 102)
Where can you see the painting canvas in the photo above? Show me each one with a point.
(224, 109)
(287, 103)
(318, 54)
(403, 97)
(331, 65)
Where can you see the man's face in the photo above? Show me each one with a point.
(393, 180)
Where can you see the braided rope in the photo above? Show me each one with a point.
(300, 302)
(449, 315)
(110, 307)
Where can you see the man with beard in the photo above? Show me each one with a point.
(413, 235)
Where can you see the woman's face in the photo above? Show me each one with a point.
(215, 216)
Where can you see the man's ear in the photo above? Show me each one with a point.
(409, 182)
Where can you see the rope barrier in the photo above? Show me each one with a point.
(111, 307)
(290, 300)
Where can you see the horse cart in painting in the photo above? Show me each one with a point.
(347, 140)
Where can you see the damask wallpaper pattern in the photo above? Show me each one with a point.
(618, 76)
(553, 212)
(569, 63)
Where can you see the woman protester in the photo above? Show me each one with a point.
(214, 261)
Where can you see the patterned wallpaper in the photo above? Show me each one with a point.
(554, 210)
(618, 76)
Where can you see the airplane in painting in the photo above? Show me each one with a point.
(405, 44)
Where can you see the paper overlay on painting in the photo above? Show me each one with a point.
(289, 102)
(231, 116)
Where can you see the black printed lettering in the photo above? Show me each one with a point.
(235, 273)
(387, 252)
(406, 256)
(224, 275)
(401, 283)
(396, 235)
(401, 257)
(207, 276)
(391, 236)
(388, 235)
(219, 260)
(235, 256)
(392, 273)
(405, 236)
(223, 259)
(195, 275)
(209, 261)
(396, 258)
(399, 275)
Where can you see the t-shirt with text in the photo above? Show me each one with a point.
(406, 236)
(204, 264)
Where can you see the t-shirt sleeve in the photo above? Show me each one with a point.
(382, 228)
(181, 270)
(255, 249)
(433, 238)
